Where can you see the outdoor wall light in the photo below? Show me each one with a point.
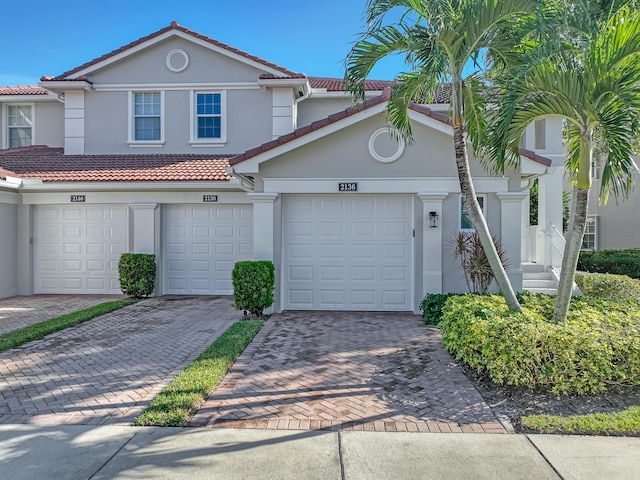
(433, 219)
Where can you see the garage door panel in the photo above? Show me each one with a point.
(78, 248)
(348, 252)
(203, 242)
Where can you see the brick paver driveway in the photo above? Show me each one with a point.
(340, 370)
(108, 369)
(19, 312)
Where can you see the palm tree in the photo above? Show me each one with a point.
(594, 84)
(439, 39)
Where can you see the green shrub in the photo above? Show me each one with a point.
(617, 262)
(597, 347)
(253, 284)
(608, 286)
(137, 274)
(432, 305)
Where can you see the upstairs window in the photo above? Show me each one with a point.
(19, 126)
(208, 116)
(147, 116)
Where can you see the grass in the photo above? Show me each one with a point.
(174, 406)
(46, 327)
(626, 422)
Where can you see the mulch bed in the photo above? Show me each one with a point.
(515, 402)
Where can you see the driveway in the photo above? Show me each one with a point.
(348, 371)
(303, 371)
(106, 370)
(20, 312)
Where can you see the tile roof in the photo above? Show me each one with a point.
(23, 90)
(531, 155)
(51, 165)
(337, 84)
(336, 117)
(173, 26)
(442, 93)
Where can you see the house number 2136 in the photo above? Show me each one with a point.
(348, 187)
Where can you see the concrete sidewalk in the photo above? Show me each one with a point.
(107, 452)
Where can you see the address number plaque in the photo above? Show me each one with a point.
(348, 186)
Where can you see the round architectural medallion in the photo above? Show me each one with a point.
(384, 147)
(177, 60)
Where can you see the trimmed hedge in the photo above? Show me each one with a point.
(617, 262)
(598, 346)
(607, 286)
(137, 274)
(253, 284)
(432, 305)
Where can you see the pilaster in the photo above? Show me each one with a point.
(432, 239)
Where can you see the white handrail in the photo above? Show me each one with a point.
(556, 259)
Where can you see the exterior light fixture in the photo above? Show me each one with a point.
(433, 219)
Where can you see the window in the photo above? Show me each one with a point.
(209, 115)
(465, 220)
(19, 126)
(147, 116)
(208, 122)
(589, 240)
(540, 134)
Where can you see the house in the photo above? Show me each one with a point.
(182, 146)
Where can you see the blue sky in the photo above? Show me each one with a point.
(41, 38)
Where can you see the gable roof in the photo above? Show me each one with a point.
(52, 165)
(305, 131)
(173, 27)
(332, 119)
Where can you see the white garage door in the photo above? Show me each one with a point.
(201, 245)
(78, 248)
(348, 252)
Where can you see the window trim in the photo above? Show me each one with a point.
(132, 142)
(194, 141)
(5, 121)
(595, 233)
(483, 207)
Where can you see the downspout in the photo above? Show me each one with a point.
(246, 183)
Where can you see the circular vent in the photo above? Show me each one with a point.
(177, 60)
(384, 147)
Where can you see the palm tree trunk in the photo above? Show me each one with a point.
(577, 223)
(478, 220)
(570, 258)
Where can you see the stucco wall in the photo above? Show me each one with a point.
(313, 109)
(345, 154)
(8, 246)
(49, 124)
(149, 67)
(248, 122)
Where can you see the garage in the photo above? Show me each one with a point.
(201, 244)
(347, 252)
(78, 248)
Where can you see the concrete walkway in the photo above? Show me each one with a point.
(108, 369)
(110, 452)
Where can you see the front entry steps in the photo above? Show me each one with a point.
(537, 279)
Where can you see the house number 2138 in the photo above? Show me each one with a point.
(348, 187)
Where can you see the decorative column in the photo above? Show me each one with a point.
(143, 227)
(432, 242)
(74, 122)
(511, 234)
(265, 217)
(263, 225)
